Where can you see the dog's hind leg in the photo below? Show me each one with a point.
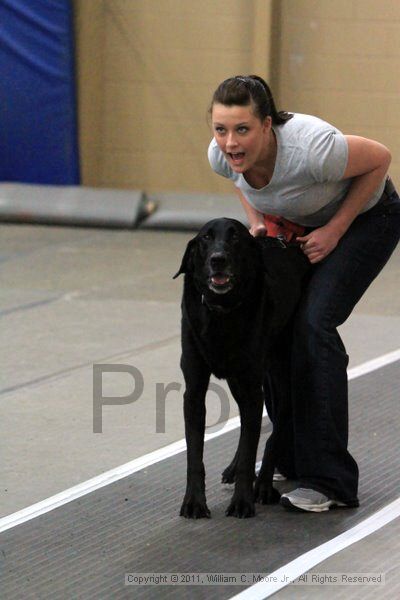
(264, 492)
(278, 451)
(228, 475)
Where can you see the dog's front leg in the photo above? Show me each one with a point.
(249, 397)
(194, 504)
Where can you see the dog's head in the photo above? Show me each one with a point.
(221, 257)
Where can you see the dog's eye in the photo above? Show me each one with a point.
(207, 236)
(232, 235)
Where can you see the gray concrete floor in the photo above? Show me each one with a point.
(72, 298)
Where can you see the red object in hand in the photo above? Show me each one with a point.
(280, 227)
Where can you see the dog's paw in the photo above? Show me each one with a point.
(228, 476)
(194, 508)
(240, 508)
(266, 494)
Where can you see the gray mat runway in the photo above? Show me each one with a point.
(85, 548)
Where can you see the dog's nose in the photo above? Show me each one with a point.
(218, 260)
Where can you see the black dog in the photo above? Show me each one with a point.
(239, 294)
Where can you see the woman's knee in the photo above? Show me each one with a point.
(311, 320)
(314, 329)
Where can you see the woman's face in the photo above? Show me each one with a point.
(241, 135)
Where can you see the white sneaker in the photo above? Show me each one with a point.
(308, 500)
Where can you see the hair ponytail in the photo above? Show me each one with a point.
(243, 90)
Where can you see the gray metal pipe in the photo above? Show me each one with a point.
(73, 205)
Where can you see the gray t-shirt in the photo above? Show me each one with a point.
(307, 184)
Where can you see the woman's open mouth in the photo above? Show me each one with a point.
(236, 157)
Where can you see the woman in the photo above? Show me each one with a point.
(335, 186)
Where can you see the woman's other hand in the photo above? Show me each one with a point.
(258, 230)
(319, 243)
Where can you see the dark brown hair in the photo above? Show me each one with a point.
(243, 90)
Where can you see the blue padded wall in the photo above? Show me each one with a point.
(38, 125)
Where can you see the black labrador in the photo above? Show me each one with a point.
(239, 295)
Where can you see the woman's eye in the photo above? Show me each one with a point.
(242, 130)
(219, 130)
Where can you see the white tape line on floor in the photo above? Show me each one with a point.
(291, 571)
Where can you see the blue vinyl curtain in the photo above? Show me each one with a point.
(38, 125)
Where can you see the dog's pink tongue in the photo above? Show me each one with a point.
(220, 279)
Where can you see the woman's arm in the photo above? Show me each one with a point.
(255, 218)
(368, 162)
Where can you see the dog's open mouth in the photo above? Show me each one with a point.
(220, 283)
(220, 279)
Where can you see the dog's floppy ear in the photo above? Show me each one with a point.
(187, 260)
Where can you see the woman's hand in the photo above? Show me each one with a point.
(319, 243)
(258, 230)
(255, 218)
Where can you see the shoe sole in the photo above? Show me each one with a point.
(286, 503)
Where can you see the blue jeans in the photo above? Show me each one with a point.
(318, 456)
